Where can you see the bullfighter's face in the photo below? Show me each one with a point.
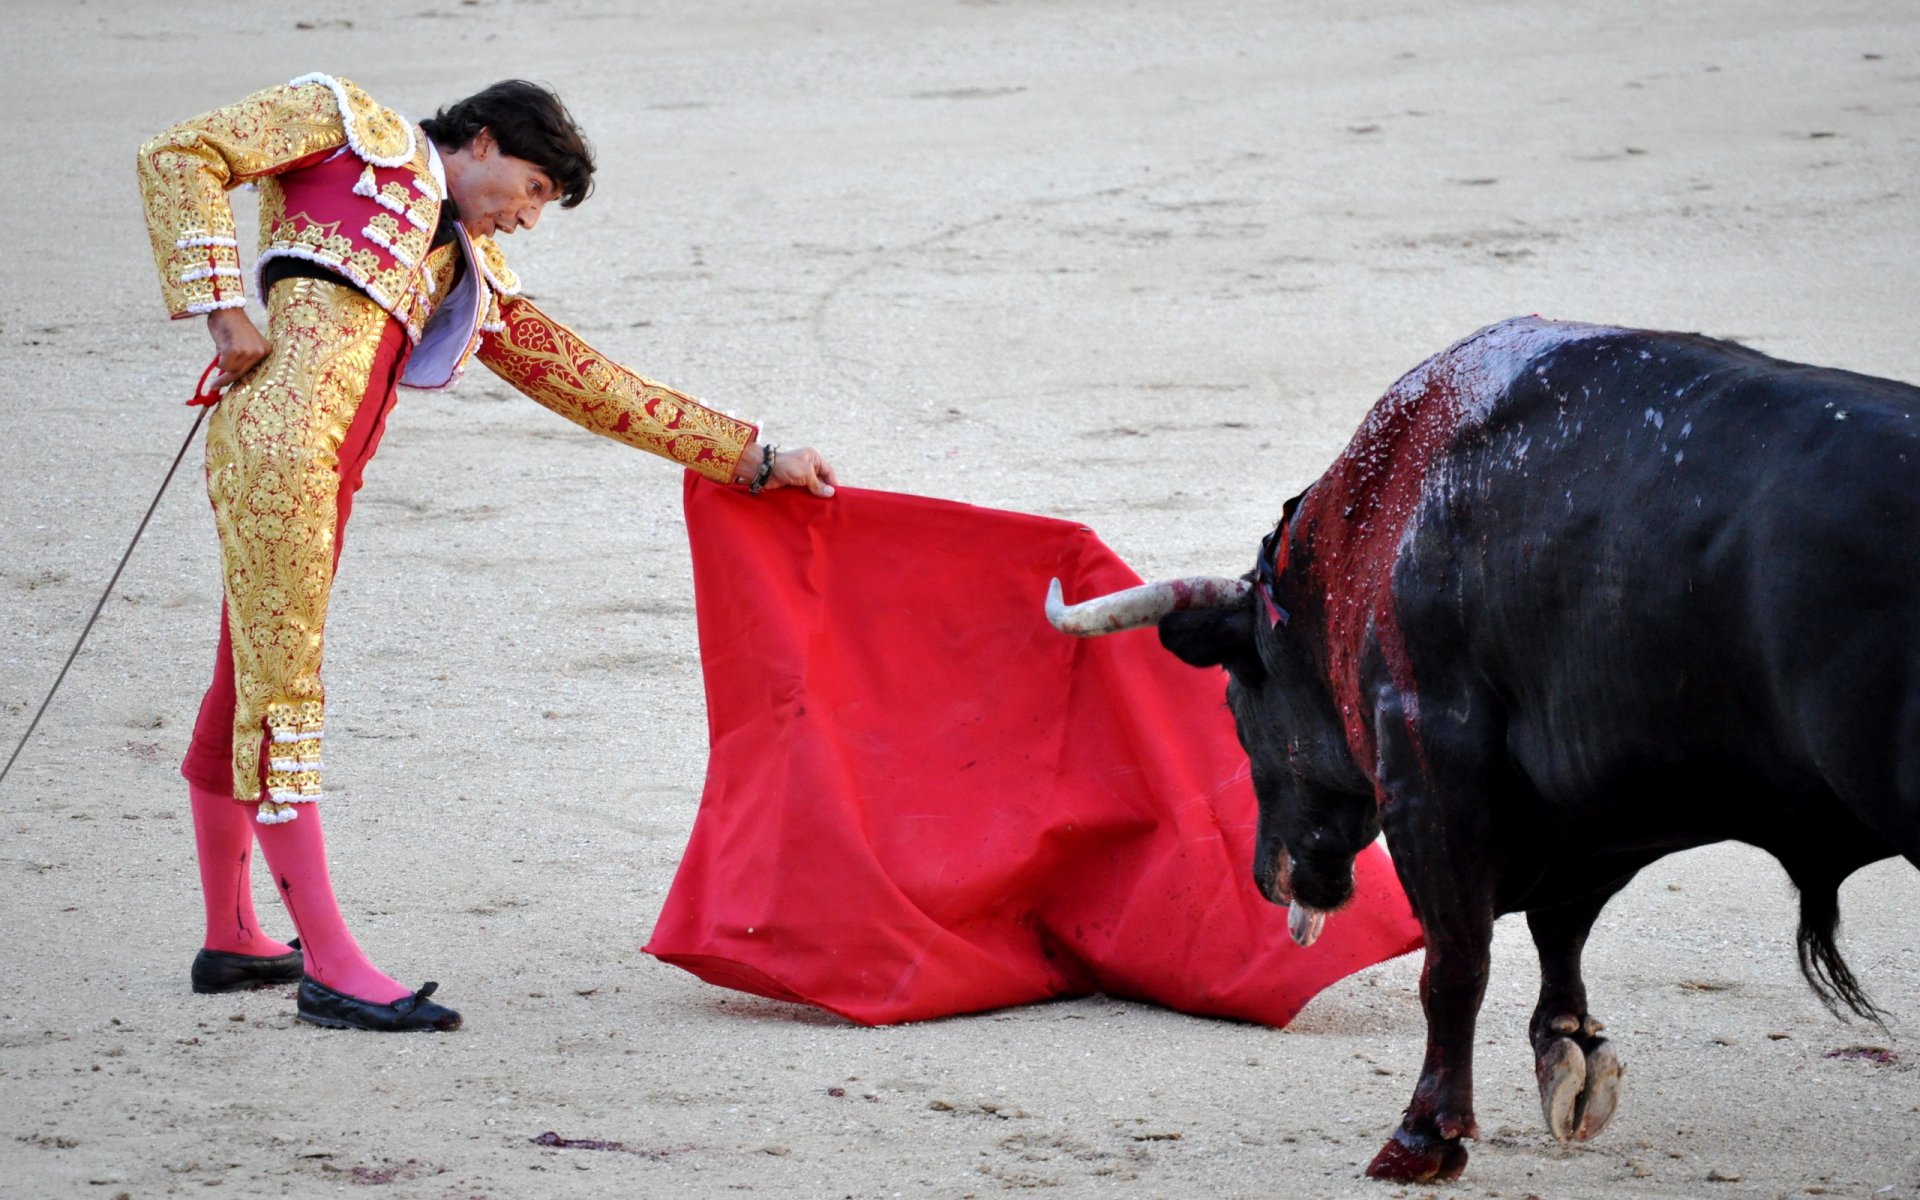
(495, 192)
(1316, 811)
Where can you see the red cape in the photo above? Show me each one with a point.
(921, 800)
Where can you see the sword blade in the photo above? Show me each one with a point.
(199, 416)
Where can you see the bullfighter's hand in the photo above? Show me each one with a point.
(803, 468)
(791, 468)
(239, 343)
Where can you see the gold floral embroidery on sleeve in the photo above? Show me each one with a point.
(186, 172)
(551, 364)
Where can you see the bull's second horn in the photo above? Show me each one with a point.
(1140, 606)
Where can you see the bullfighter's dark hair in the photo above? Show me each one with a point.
(529, 122)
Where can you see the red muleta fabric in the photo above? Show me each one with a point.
(921, 800)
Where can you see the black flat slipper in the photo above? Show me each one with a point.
(319, 1004)
(221, 971)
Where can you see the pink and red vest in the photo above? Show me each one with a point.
(368, 212)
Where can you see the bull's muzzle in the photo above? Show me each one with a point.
(1141, 606)
(1303, 923)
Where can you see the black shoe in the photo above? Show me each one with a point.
(319, 1004)
(220, 971)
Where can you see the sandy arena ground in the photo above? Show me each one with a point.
(1142, 264)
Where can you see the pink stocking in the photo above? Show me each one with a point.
(297, 855)
(223, 836)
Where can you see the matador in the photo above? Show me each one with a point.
(379, 269)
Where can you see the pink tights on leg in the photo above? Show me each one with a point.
(297, 855)
(223, 836)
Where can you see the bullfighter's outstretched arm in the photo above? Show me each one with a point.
(187, 170)
(558, 369)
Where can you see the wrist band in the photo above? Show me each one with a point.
(765, 472)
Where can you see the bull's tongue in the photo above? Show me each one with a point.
(1304, 924)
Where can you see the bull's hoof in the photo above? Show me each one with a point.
(1602, 1094)
(1408, 1158)
(1578, 1089)
(1562, 1072)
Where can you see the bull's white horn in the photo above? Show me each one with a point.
(1140, 606)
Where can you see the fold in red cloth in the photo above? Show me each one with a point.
(922, 800)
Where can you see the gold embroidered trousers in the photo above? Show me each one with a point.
(284, 454)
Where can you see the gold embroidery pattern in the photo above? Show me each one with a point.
(378, 134)
(549, 362)
(420, 210)
(293, 765)
(272, 458)
(494, 265)
(409, 246)
(186, 171)
(383, 230)
(443, 265)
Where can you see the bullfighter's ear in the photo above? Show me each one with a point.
(1214, 638)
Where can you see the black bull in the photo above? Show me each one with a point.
(1572, 599)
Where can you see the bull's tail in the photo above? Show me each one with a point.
(1826, 972)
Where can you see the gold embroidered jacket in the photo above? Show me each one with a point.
(352, 185)
(348, 184)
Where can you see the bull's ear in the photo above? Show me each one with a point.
(1213, 638)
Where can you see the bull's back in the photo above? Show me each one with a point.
(1673, 557)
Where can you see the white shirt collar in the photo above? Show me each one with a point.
(438, 168)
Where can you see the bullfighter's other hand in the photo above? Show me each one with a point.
(804, 467)
(239, 343)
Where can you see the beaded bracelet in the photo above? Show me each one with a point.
(765, 472)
